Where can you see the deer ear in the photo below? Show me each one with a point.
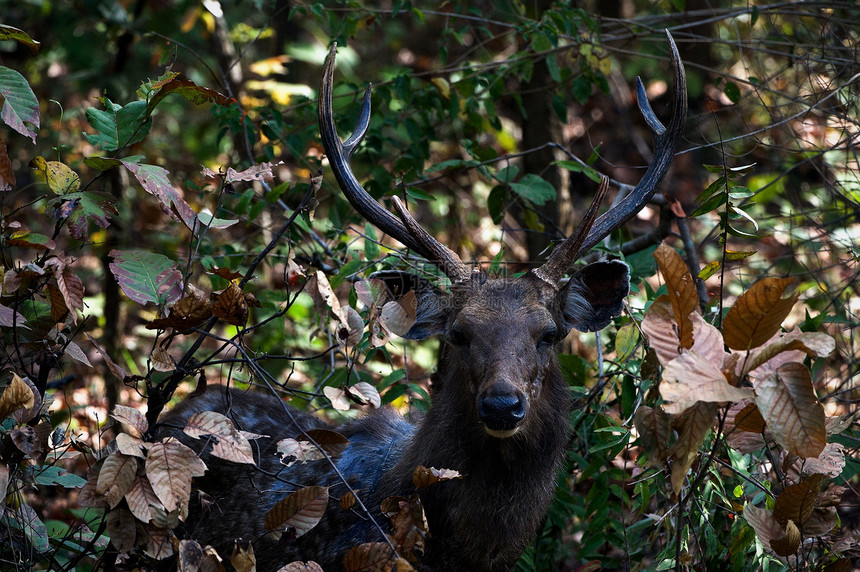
(595, 294)
(432, 304)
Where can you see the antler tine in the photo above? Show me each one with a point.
(405, 229)
(557, 264)
(667, 140)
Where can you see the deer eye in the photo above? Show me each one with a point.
(458, 337)
(548, 338)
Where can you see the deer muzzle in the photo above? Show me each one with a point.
(502, 412)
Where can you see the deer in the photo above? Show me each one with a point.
(499, 412)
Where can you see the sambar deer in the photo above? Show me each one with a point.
(499, 413)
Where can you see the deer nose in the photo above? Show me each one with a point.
(502, 411)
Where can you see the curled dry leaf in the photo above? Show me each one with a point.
(737, 439)
(830, 462)
(229, 445)
(365, 394)
(26, 414)
(682, 291)
(230, 305)
(75, 352)
(187, 313)
(348, 500)
(116, 476)
(161, 360)
(299, 511)
(131, 417)
(691, 378)
(788, 544)
(28, 441)
(424, 477)
(170, 466)
(758, 314)
(338, 398)
(293, 451)
(785, 348)
(17, 395)
(121, 529)
(790, 408)
(129, 445)
(356, 325)
(310, 566)
(59, 310)
(655, 431)
(72, 289)
(398, 316)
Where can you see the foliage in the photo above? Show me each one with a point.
(254, 271)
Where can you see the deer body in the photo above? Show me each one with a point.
(499, 413)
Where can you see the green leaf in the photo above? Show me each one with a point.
(709, 270)
(54, 475)
(534, 189)
(371, 245)
(452, 164)
(118, 126)
(496, 203)
(580, 88)
(740, 192)
(496, 263)
(21, 109)
(732, 91)
(576, 167)
(418, 194)
(508, 174)
(146, 276)
(80, 207)
(10, 33)
(207, 220)
(715, 187)
(709, 205)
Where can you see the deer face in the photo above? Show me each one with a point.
(501, 334)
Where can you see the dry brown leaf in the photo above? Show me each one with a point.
(7, 175)
(309, 566)
(785, 348)
(790, 408)
(695, 424)
(379, 336)
(788, 544)
(691, 378)
(17, 395)
(424, 477)
(159, 542)
(72, 289)
(26, 414)
(131, 417)
(356, 325)
(370, 557)
(29, 442)
(682, 291)
(129, 445)
(338, 397)
(299, 511)
(4, 485)
(840, 565)
(121, 529)
(298, 452)
(161, 360)
(330, 441)
(741, 440)
(365, 394)
(170, 466)
(116, 370)
(87, 496)
(758, 314)
(398, 316)
(116, 476)
(660, 327)
(347, 501)
(211, 561)
(141, 499)
(230, 305)
(655, 431)
(797, 501)
(749, 419)
(190, 556)
(59, 310)
(764, 524)
(822, 521)
(229, 445)
(187, 313)
(830, 462)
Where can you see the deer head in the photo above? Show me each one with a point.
(500, 334)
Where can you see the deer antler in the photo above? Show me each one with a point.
(405, 229)
(667, 139)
